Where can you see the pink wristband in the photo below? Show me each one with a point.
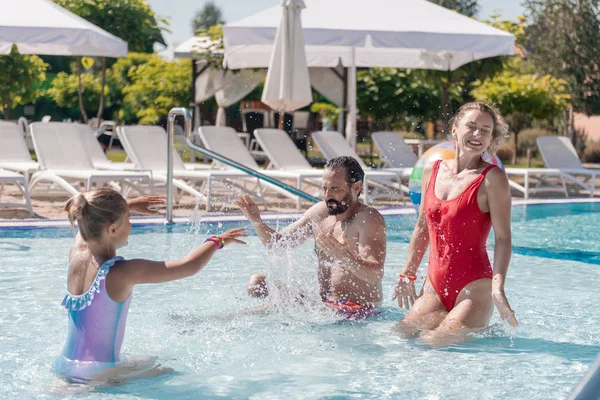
(407, 278)
(216, 240)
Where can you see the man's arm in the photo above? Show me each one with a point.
(296, 233)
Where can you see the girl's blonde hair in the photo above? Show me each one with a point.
(94, 210)
(500, 129)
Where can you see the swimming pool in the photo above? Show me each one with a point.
(194, 325)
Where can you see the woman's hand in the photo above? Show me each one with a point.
(232, 235)
(506, 313)
(145, 204)
(405, 292)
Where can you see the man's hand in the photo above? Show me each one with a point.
(332, 248)
(249, 208)
(145, 204)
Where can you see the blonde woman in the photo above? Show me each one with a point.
(464, 198)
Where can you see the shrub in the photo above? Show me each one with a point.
(592, 153)
(527, 140)
(505, 152)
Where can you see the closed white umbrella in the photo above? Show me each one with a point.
(287, 87)
(43, 27)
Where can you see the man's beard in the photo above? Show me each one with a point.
(335, 207)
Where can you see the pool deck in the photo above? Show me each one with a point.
(186, 213)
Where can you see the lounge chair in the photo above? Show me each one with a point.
(224, 141)
(332, 144)
(14, 155)
(95, 152)
(558, 152)
(147, 147)
(12, 178)
(285, 156)
(394, 152)
(65, 162)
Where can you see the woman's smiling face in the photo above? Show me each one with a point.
(473, 133)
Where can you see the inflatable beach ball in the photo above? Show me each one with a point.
(441, 151)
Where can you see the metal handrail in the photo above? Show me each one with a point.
(215, 156)
(187, 120)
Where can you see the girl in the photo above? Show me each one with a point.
(464, 197)
(100, 286)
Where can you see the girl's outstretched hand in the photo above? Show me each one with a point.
(506, 313)
(145, 204)
(233, 235)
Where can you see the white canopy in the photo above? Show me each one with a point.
(192, 46)
(43, 27)
(374, 33)
(384, 33)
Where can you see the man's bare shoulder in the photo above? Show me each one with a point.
(317, 212)
(369, 218)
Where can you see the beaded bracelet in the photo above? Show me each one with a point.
(216, 239)
(407, 278)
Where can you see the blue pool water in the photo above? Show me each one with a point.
(194, 325)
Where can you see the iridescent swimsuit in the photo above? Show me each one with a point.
(96, 329)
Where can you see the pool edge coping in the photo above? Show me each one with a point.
(152, 220)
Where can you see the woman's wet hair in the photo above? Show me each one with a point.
(499, 131)
(94, 211)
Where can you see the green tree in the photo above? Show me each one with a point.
(65, 87)
(21, 78)
(517, 28)
(562, 39)
(134, 21)
(208, 16)
(470, 8)
(523, 97)
(392, 96)
(131, 20)
(156, 87)
(119, 78)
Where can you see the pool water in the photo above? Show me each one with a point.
(195, 326)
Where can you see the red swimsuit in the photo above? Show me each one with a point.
(458, 231)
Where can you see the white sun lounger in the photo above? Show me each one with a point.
(14, 154)
(12, 178)
(147, 147)
(97, 155)
(332, 144)
(225, 141)
(558, 152)
(65, 162)
(395, 153)
(284, 155)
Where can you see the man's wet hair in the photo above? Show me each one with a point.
(354, 172)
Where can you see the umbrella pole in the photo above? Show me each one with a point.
(281, 120)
